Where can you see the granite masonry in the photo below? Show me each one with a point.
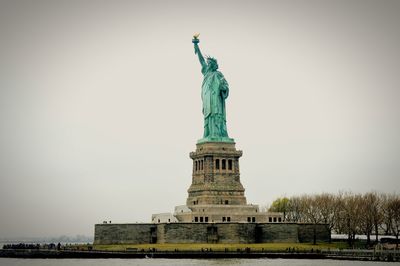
(232, 232)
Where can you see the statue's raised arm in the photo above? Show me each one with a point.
(198, 52)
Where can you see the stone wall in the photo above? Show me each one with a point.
(209, 233)
(106, 234)
(206, 233)
(183, 233)
(306, 233)
(278, 232)
(234, 232)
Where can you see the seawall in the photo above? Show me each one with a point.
(146, 233)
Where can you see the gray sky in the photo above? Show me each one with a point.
(100, 104)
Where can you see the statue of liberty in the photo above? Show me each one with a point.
(214, 91)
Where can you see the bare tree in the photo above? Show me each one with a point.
(369, 214)
(345, 213)
(329, 207)
(312, 208)
(394, 209)
(295, 213)
(377, 215)
(350, 213)
(386, 213)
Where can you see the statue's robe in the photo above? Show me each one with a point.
(214, 91)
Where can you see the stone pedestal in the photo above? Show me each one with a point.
(216, 193)
(216, 175)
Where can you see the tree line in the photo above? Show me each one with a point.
(347, 213)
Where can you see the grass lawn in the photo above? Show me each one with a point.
(222, 247)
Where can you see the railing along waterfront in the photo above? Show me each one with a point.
(339, 254)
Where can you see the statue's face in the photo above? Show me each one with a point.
(212, 65)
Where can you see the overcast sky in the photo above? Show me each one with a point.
(100, 104)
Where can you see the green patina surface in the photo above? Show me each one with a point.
(215, 139)
(214, 92)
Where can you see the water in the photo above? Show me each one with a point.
(184, 262)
